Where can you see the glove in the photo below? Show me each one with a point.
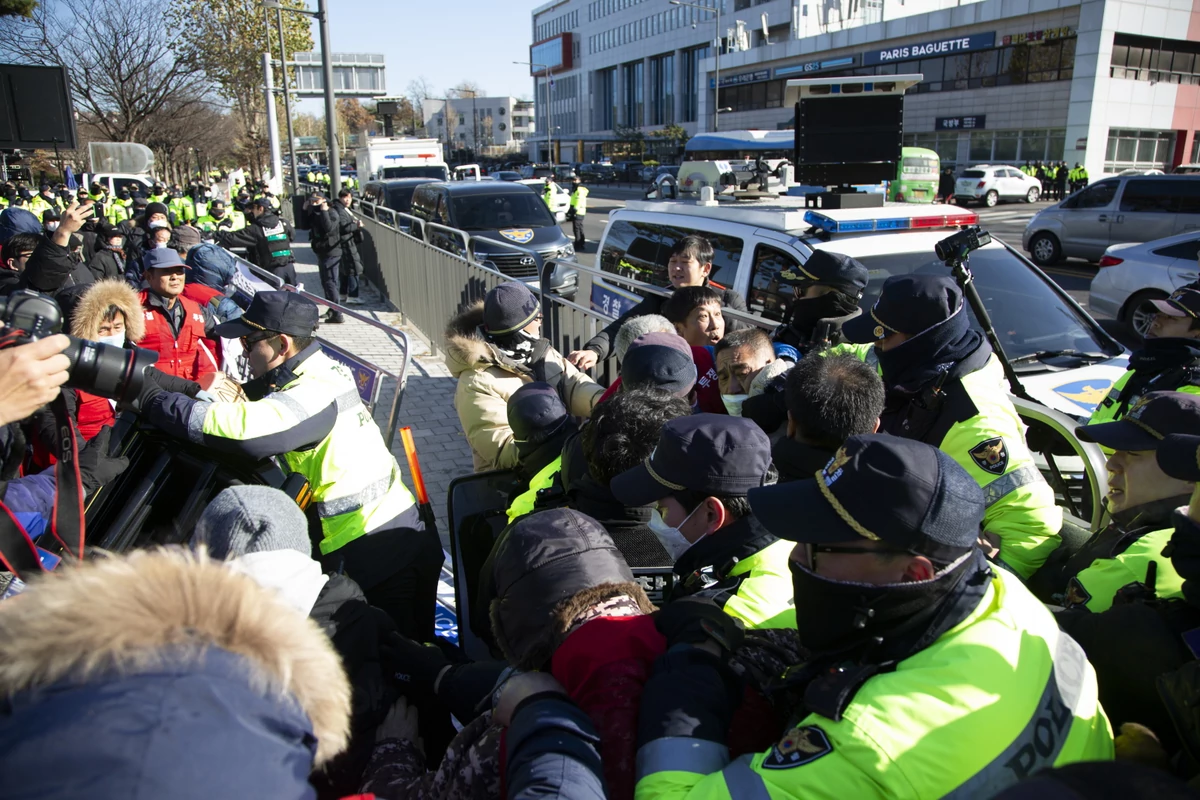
(96, 466)
(412, 663)
(689, 621)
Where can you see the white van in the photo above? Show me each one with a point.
(115, 181)
(1064, 358)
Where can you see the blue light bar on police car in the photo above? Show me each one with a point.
(831, 225)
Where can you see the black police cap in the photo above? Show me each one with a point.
(277, 312)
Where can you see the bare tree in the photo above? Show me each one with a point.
(124, 70)
(418, 91)
(466, 89)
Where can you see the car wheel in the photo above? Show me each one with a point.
(1045, 249)
(1033, 194)
(991, 199)
(1139, 312)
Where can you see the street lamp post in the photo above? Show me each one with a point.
(549, 129)
(717, 90)
(287, 99)
(322, 17)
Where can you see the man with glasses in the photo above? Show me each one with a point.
(931, 673)
(696, 480)
(176, 327)
(306, 409)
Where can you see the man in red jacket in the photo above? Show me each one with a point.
(175, 325)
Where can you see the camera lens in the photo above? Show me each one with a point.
(108, 371)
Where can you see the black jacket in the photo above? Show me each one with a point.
(797, 461)
(51, 269)
(253, 237)
(347, 225)
(324, 234)
(628, 526)
(356, 629)
(601, 343)
(715, 555)
(106, 264)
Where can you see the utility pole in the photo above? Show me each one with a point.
(335, 160)
(287, 100)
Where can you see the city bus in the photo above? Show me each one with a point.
(916, 178)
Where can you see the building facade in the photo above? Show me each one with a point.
(488, 126)
(1108, 83)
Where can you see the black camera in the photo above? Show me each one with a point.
(102, 369)
(956, 247)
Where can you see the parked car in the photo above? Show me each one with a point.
(1133, 274)
(1136, 208)
(989, 185)
(561, 201)
(597, 172)
(507, 175)
(507, 214)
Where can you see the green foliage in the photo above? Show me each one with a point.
(17, 8)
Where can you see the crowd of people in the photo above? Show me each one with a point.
(867, 588)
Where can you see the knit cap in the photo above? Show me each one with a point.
(252, 519)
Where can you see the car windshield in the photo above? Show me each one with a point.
(489, 212)
(441, 173)
(1028, 313)
(399, 198)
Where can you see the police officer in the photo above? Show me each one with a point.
(305, 408)
(697, 479)
(325, 238)
(931, 674)
(1079, 177)
(578, 210)
(827, 289)
(1127, 555)
(180, 208)
(268, 239)
(158, 194)
(45, 201)
(351, 265)
(121, 208)
(220, 218)
(946, 388)
(1168, 361)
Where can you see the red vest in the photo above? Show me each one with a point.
(185, 357)
(204, 296)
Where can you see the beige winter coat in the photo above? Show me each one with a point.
(486, 379)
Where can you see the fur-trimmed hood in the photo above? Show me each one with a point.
(466, 349)
(89, 313)
(165, 666)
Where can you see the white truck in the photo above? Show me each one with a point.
(401, 157)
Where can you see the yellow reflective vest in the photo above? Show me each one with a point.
(998, 697)
(1096, 585)
(579, 201)
(355, 481)
(544, 479)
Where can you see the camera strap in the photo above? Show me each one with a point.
(18, 553)
(67, 523)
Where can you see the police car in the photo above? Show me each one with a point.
(1063, 357)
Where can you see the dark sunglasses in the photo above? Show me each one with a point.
(249, 341)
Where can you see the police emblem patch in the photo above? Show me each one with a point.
(798, 747)
(878, 331)
(991, 455)
(1076, 595)
(833, 470)
(518, 235)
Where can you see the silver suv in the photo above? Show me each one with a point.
(989, 185)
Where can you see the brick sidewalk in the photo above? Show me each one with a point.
(428, 402)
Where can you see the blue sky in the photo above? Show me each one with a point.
(447, 42)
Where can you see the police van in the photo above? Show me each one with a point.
(1064, 359)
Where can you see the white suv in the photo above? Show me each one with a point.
(989, 185)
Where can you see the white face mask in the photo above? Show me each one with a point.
(733, 403)
(51, 226)
(116, 340)
(670, 538)
(160, 245)
(158, 223)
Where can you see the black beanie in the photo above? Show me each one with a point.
(543, 561)
(535, 412)
(508, 308)
(157, 208)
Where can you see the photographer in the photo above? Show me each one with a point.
(325, 238)
(31, 376)
(51, 268)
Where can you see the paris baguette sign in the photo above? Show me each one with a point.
(931, 49)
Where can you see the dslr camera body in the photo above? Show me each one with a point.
(101, 369)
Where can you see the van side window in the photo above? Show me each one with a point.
(1148, 197)
(768, 297)
(641, 250)
(1098, 195)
